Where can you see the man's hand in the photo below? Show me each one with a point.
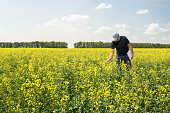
(111, 55)
(108, 60)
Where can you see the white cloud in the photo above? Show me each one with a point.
(123, 32)
(166, 39)
(77, 19)
(71, 22)
(154, 29)
(1, 29)
(122, 29)
(134, 38)
(169, 24)
(141, 12)
(71, 28)
(103, 29)
(121, 26)
(103, 6)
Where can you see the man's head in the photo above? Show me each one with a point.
(115, 37)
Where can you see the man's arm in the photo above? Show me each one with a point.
(131, 50)
(111, 55)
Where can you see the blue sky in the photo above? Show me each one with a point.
(84, 20)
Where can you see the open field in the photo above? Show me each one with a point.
(80, 80)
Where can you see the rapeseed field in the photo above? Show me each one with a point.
(80, 81)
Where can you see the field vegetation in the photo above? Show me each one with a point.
(79, 80)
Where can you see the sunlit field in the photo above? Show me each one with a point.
(80, 80)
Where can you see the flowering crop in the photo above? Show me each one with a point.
(80, 80)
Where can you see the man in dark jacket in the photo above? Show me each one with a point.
(122, 45)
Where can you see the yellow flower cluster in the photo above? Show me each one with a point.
(80, 80)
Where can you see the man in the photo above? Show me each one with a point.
(122, 45)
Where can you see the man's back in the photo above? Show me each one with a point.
(121, 46)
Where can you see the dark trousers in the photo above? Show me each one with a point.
(126, 60)
(120, 59)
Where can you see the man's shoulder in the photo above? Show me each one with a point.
(112, 42)
(123, 37)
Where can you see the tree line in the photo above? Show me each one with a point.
(53, 44)
(108, 45)
(92, 44)
(35, 44)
